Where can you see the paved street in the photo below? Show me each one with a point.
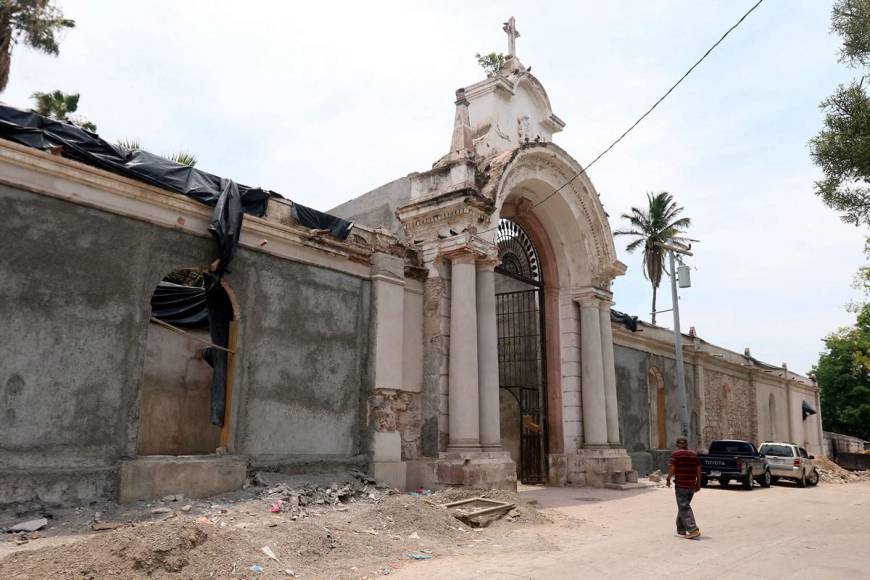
(781, 532)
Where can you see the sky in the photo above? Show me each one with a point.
(323, 101)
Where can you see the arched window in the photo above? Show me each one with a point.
(658, 435)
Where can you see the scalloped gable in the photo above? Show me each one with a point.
(508, 109)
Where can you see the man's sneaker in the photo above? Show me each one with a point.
(681, 532)
(693, 534)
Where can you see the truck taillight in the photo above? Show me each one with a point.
(739, 465)
(797, 462)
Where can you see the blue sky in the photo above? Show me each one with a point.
(324, 101)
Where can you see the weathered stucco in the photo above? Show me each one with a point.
(75, 289)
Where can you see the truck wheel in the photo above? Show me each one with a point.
(766, 479)
(747, 480)
(703, 481)
(814, 477)
(802, 481)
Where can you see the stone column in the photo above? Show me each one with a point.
(610, 398)
(487, 356)
(464, 418)
(594, 399)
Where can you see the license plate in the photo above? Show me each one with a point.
(715, 473)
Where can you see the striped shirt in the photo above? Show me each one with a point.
(685, 463)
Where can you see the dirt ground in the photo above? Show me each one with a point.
(371, 534)
(781, 532)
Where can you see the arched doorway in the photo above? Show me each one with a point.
(189, 359)
(658, 435)
(519, 288)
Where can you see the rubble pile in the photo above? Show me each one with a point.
(300, 498)
(830, 472)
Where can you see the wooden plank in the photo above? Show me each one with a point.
(231, 369)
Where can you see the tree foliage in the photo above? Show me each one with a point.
(842, 148)
(181, 157)
(843, 374)
(655, 224)
(61, 106)
(35, 23)
(491, 63)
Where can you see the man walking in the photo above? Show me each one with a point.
(685, 469)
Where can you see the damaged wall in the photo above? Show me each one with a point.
(75, 290)
(632, 382)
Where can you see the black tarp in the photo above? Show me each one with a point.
(196, 307)
(311, 218)
(182, 306)
(630, 322)
(807, 410)
(229, 199)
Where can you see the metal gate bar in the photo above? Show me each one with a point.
(519, 319)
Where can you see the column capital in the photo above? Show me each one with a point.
(461, 256)
(593, 298)
(487, 264)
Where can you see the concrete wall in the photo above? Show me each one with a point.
(377, 208)
(632, 372)
(75, 289)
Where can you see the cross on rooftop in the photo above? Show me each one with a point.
(510, 27)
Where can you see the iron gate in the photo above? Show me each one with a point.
(522, 373)
(521, 347)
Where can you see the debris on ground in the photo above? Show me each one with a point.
(655, 476)
(830, 472)
(360, 529)
(30, 525)
(478, 511)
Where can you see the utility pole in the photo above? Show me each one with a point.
(678, 337)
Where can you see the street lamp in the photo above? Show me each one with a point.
(684, 282)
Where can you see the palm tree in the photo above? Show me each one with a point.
(181, 157)
(36, 23)
(59, 105)
(654, 225)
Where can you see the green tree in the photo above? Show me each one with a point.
(656, 224)
(59, 105)
(842, 148)
(182, 157)
(491, 63)
(35, 23)
(843, 374)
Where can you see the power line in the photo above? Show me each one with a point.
(650, 110)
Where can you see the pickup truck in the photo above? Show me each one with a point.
(730, 460)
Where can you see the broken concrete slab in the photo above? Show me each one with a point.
(30, 525)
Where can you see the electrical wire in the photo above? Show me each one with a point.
(647, 113)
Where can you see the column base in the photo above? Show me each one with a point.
(478, 469)
(599, 466)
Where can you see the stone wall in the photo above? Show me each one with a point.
(75, 289)
(730, 408)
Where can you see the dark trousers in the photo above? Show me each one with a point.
(685, 515)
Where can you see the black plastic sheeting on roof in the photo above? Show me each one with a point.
(311, 218)
(630, 322)
(229, 199)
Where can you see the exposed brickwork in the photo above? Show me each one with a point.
(730, 408)
(397, 411)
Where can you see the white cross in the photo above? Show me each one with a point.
(510, 27)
